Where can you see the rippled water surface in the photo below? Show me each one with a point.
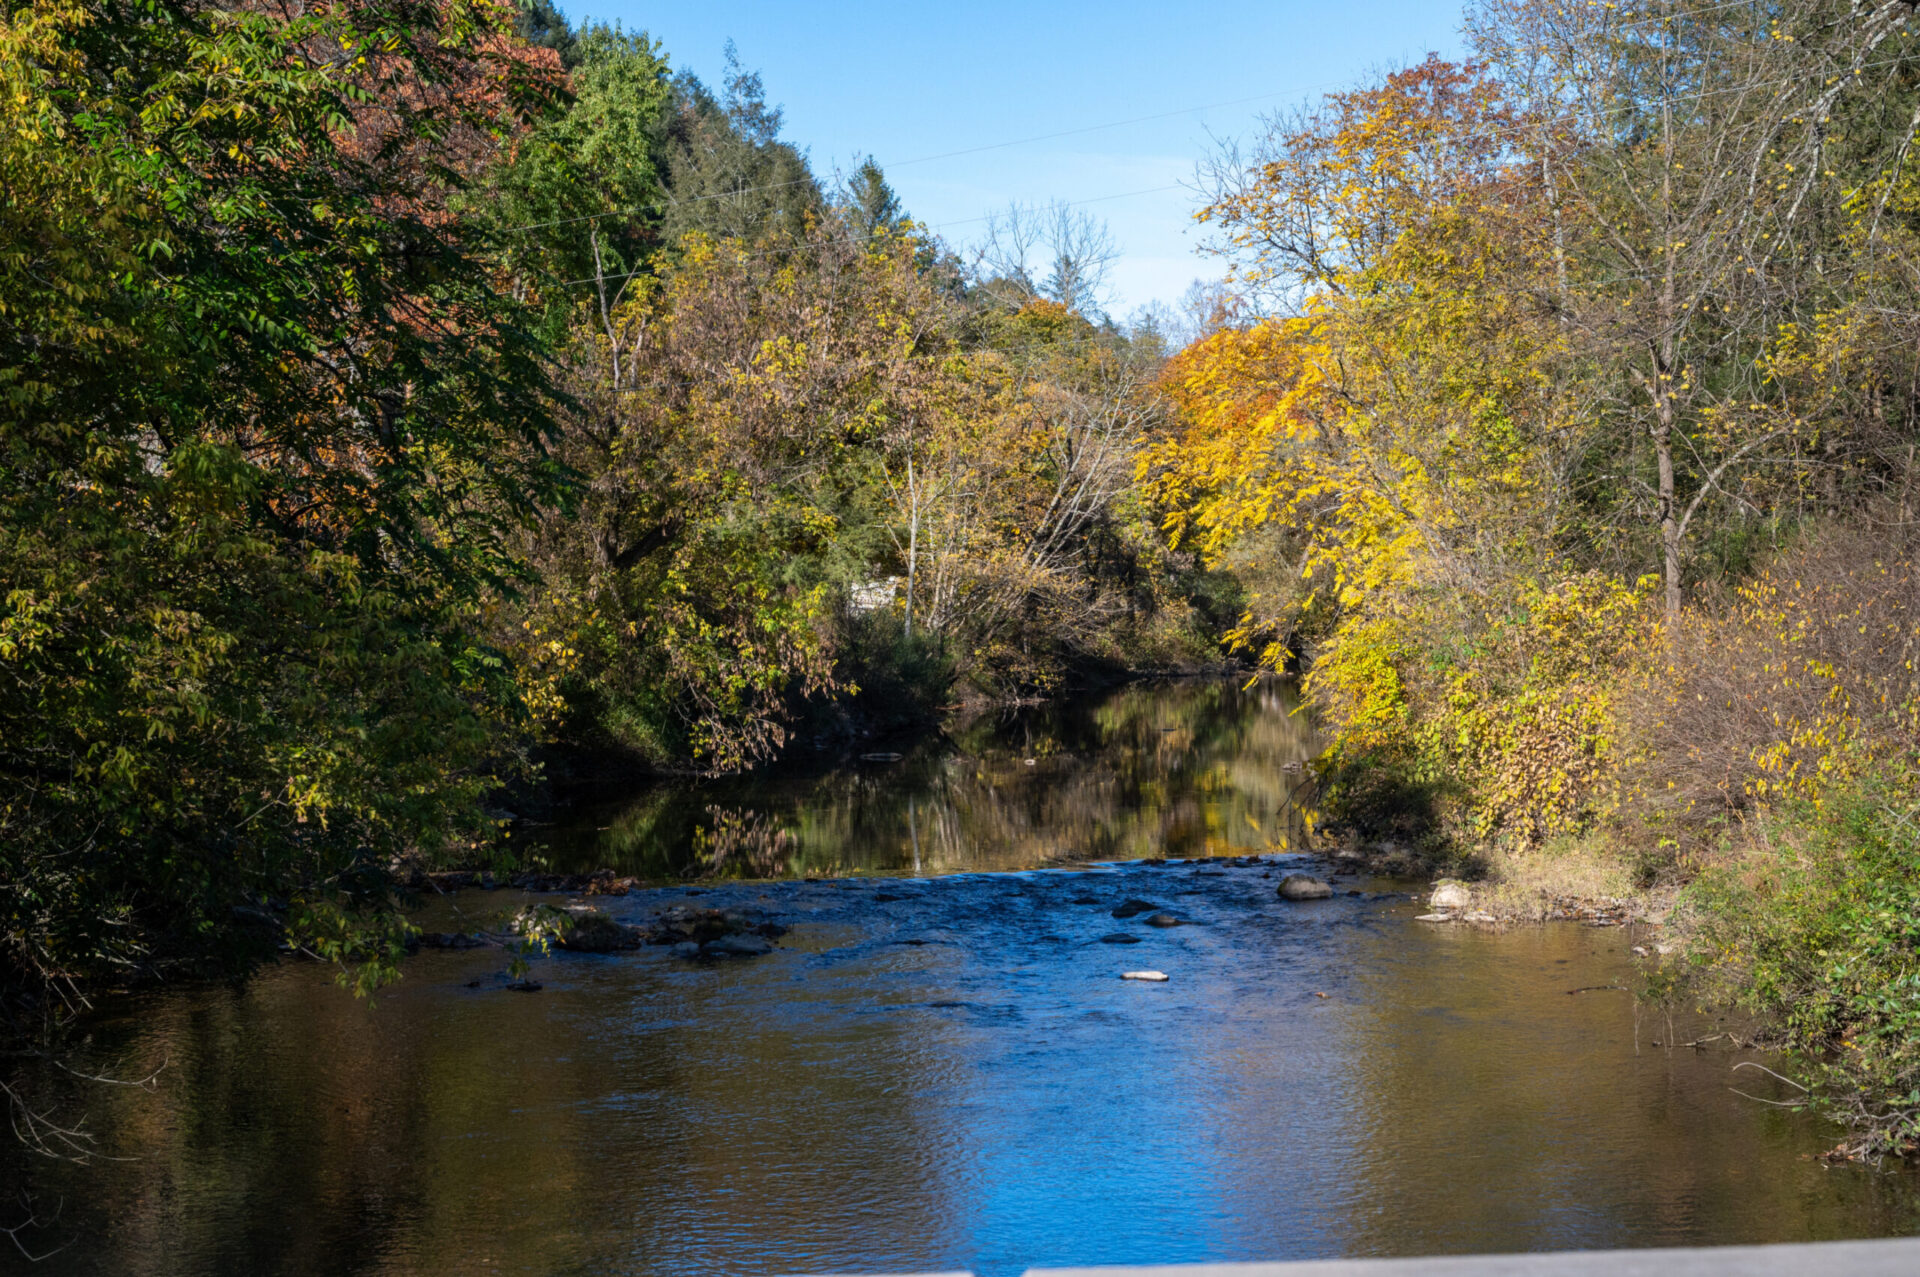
(943, 1069)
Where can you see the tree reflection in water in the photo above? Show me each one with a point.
(1196, 768)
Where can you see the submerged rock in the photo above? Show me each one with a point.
(1166, 920)
(1128, 908)
(453, 940)
(704, 925)
(740, 946)
(1119, 937)
(1303, 887)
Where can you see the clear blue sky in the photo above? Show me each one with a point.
(906, 81)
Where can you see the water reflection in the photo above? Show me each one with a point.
(1194, 768)
(944, 1072)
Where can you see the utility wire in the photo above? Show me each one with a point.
(776, 252)
(1530, 129)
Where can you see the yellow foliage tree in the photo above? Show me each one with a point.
(1402, 423)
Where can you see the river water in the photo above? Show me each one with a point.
(939, 1067)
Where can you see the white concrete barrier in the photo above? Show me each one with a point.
(1897, 1257)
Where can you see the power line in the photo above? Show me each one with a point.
(778, 251)
(671, 202)
(1517, 130)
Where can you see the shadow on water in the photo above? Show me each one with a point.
(944, 1071)
(1189, 768)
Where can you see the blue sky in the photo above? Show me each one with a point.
(905, 82)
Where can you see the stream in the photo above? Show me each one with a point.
(938, 1066)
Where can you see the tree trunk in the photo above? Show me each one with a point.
(913, 539)
(1669, 517)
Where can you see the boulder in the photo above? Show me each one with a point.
(1448, 894)
(1303, 887)
(1128, 908)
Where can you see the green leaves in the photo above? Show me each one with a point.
(266, 432)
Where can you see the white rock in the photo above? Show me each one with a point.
(1478, 915)
(1450, 895)
(1156, 976)
(1434, 917)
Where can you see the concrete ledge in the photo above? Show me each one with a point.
(1898, 1257)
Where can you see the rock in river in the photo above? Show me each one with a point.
(1156, 977)
(1130, 907)
(1303, 887)
(1166, 920)
(594, 932)
(741, 946)
(1119, 937)
(1450, 895)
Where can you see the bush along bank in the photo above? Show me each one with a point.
(1745, 778)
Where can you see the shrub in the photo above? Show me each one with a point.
(1491, 727)
(1802, 683)
(1816, 926)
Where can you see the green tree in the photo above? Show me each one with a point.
(729, 174)
(265, 428)
(869, 203)
(579, 197)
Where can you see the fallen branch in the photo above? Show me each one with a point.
(1749, 1064)
(34, 1221)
